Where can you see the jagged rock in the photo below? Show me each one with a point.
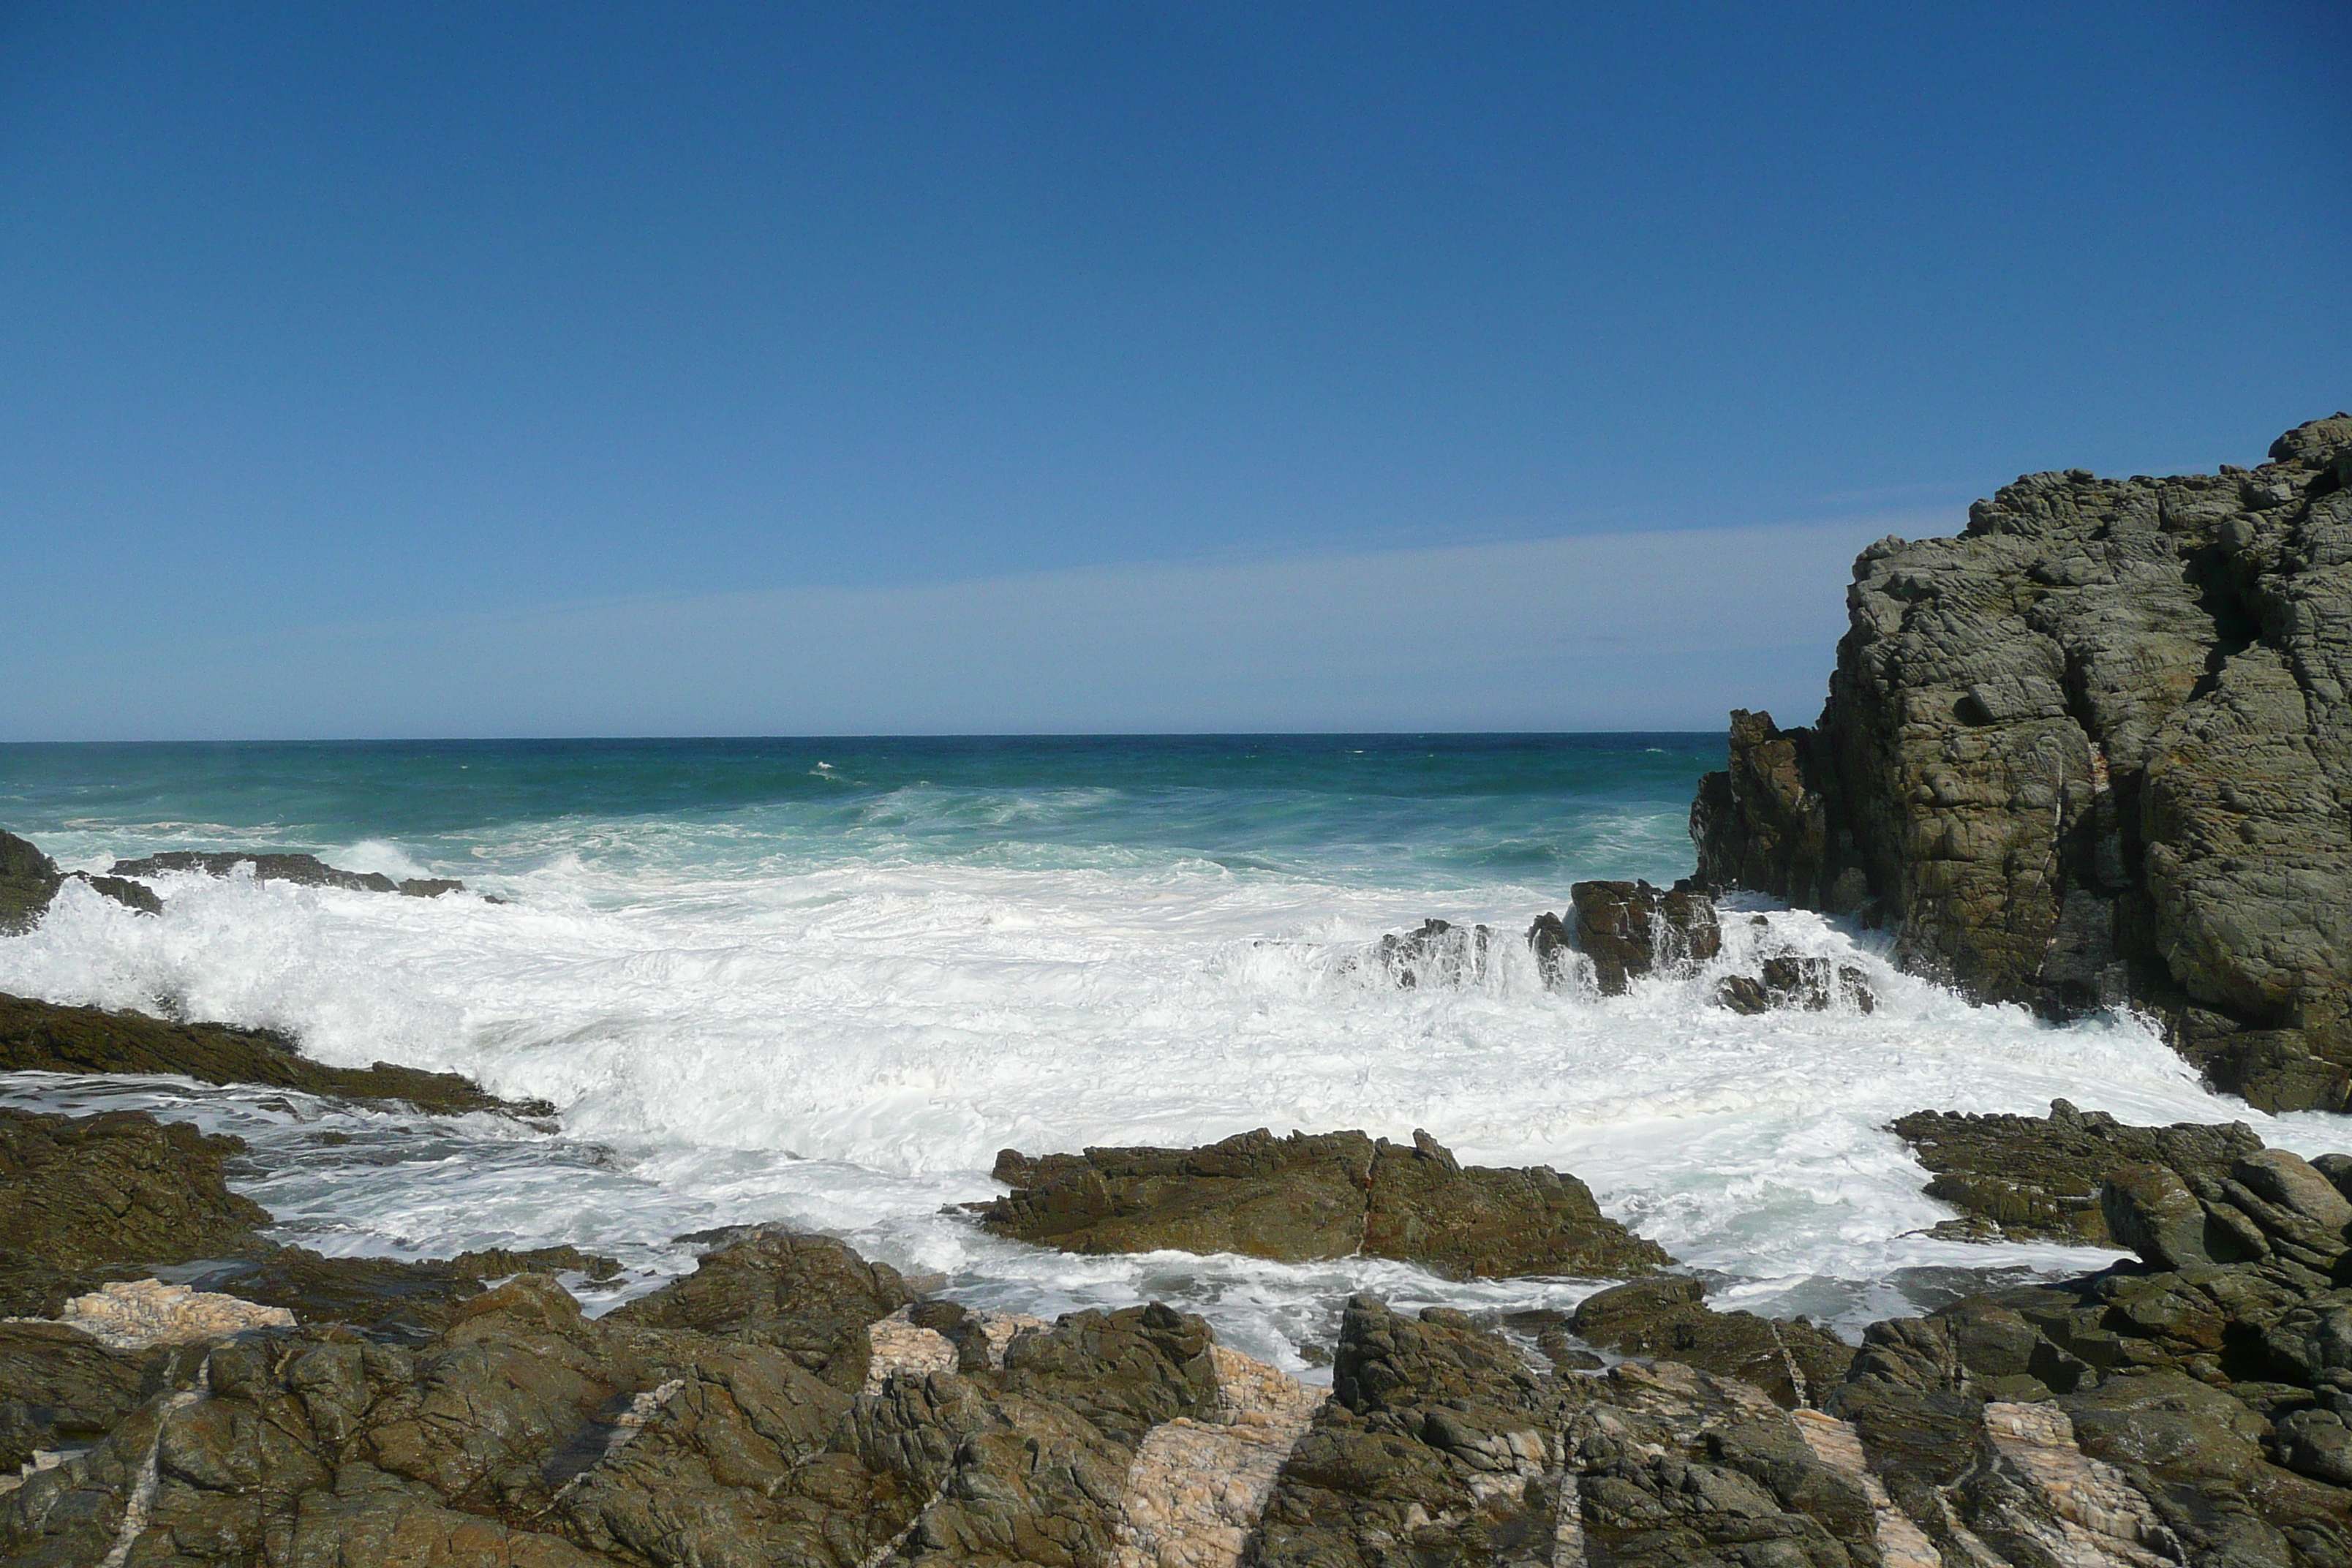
(44, 1036)
(30, 879)
(1792, 1361)
(1305, 1196)
(140, 1314)
(809, 1296)
(2037, 1178)
(526, 1434)
(1631, 929)
(278, 866)
(2097, 748)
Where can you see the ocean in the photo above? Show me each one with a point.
(823, 981)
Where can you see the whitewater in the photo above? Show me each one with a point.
(825, 983)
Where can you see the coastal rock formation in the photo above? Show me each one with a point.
(1793, 1363)
(279, 865)
(79, 1193)
(2097, 748)
(1629, 928)
(1310, 1196)
(714, 1422)
(29, 880)
(2036, 1178)
(1437, 953)
(44, 1036)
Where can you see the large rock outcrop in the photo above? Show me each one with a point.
(1310, 1196)
(2098, 749)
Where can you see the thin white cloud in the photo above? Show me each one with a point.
(1661, 630)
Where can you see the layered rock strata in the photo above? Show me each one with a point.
(282, 866)
(1311, 1196)
(2096, 750)
(46, 1037)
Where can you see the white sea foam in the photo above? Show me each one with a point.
(737, 1027)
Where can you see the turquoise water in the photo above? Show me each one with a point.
(1428, 811)
(824, 980)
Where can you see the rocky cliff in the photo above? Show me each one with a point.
(2097, 750)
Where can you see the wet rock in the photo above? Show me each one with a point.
(29, 880)
(1791, 980)
(2093, 751)
(79, 1193)
(1314, 1196)
(1631, 928)
(272, 866)
(2034, 1178)
(1793, 1363)
(1436, 954)
(44, 1036)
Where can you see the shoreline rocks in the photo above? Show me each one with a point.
(48, 1037)
(1313, 1196)
(2095, 750)
(284, 866)
(2032, 1178)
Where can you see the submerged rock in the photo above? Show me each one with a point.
(2032, 1178)
(1793, 980)
(1437, 953)
(2095, 749)
(1311, 1196)
(45, 1037)
(279, 866)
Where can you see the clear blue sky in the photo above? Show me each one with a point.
(420, 368)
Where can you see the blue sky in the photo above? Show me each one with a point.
(408, 369)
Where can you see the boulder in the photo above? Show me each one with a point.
(1306, 1197)
(2093, 751)
(82, 1194)
(1437, 953)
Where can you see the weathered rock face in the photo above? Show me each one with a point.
(712, 1424)
(1310, 1196)
(2098, 748)
(43, 1036)
(270, 865)
(2028, 1178)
